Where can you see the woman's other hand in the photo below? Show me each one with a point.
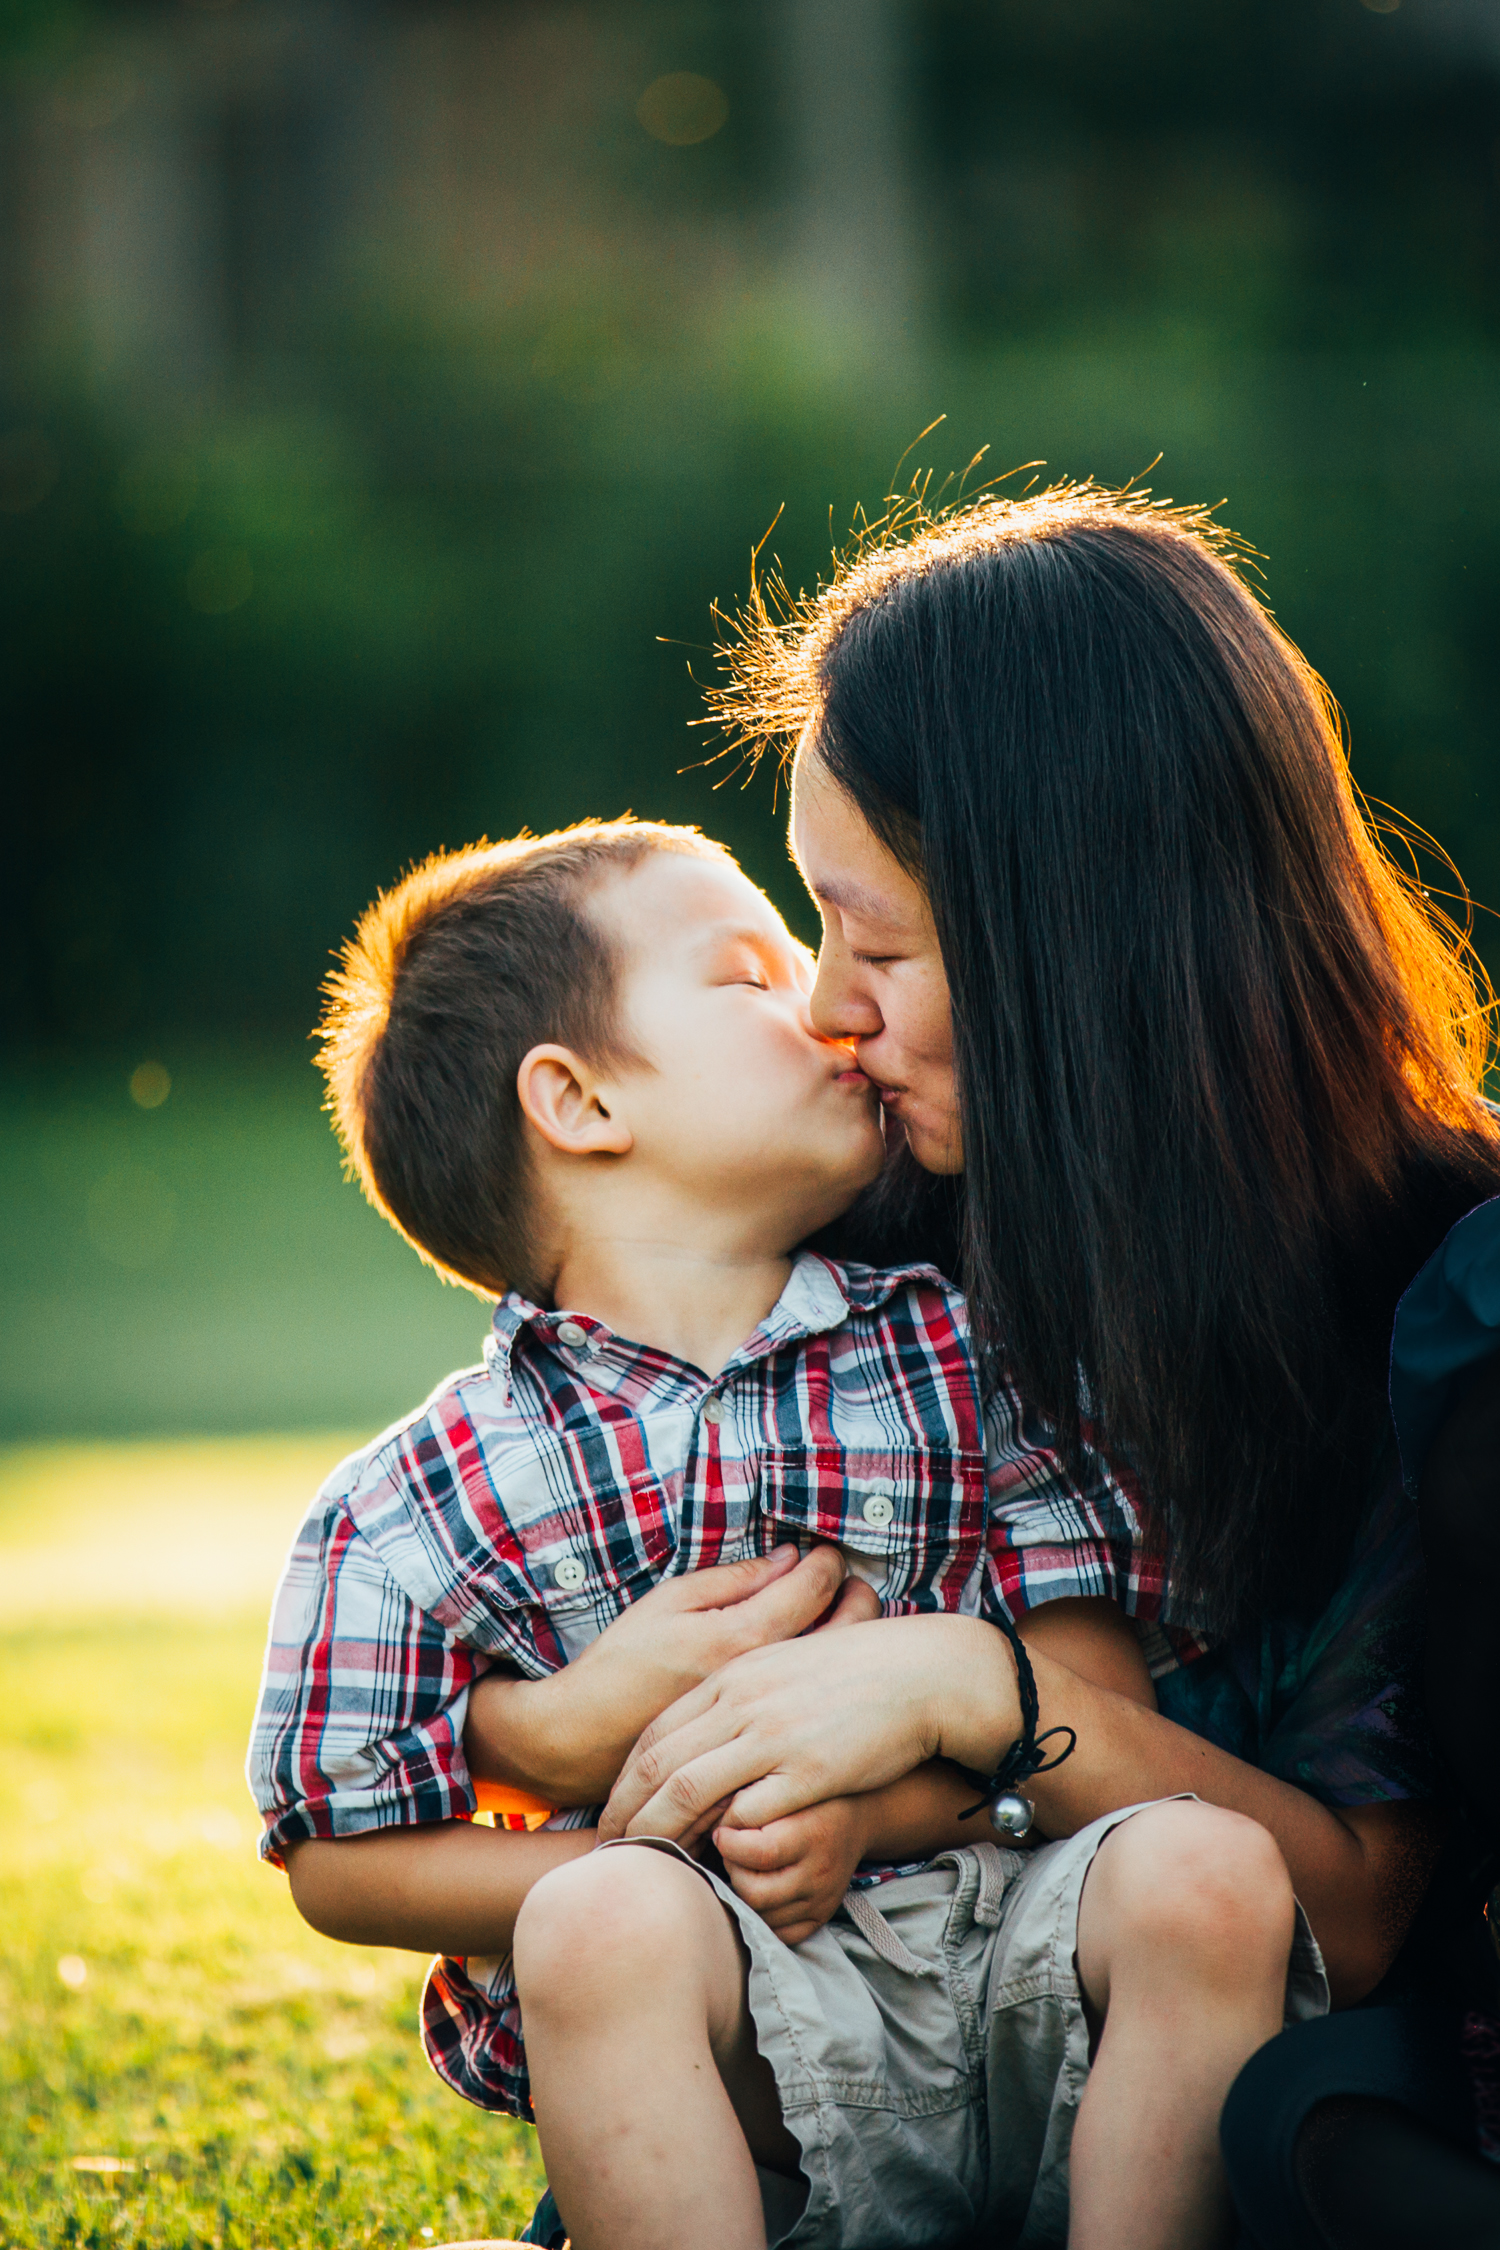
(830, 1715)
(566, 1737)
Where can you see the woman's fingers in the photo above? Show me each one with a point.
(775, 1796)
(643, 1771)
(685, 1796)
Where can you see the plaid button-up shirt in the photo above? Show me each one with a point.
(534, 1498)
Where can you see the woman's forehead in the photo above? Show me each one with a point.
(841, 859)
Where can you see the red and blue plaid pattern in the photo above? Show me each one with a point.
(534, 1498)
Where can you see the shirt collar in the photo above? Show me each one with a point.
(820, 1294)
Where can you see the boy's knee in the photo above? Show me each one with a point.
(615, 1915)
(1206, 1886)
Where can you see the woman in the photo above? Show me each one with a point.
(1104, 920)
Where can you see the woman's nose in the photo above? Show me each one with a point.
(838, 1008)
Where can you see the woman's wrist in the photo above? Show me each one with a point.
(974, 1709)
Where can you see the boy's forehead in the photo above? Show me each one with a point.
(672, 896)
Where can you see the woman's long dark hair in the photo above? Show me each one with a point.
(1217, 1060)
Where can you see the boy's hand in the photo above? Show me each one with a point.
(795, 1871)
(566, 1737)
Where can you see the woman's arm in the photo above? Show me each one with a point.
(790, 1726)
(796, 1871)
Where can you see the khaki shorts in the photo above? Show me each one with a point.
(930, 2050)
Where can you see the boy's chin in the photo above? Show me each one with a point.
(840, 1196)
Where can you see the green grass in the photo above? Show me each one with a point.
(257, 2085)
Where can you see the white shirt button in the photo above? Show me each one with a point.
(713, 1412)
(878, 1509)
(570, 1574)
(569, 1333)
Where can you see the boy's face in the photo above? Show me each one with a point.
(738, 1099)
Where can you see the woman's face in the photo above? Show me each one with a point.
(880, 970)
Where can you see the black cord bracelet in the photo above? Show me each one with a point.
(1025, 1756)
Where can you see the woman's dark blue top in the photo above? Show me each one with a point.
(1447, 1324)
(1334, 1705)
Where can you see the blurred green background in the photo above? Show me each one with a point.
(385, 393)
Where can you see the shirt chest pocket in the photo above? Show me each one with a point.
(910, 1519)
(587, 1572)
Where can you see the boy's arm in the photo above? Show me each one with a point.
(357, 1761)
(450, 1888)
(795, 1872)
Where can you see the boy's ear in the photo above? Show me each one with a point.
(565, 1101)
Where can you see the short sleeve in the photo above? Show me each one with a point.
(1051, 1538)
(1447, 1324)
(360, 1719)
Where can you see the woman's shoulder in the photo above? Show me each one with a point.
(1447, 1324)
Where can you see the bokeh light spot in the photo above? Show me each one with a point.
(219, 580)
(156, 491)
(74, 1971)
(132, 1217)
(682, 108)
(28, 470)
(150, 1084)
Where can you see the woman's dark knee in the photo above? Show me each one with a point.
(1309, 2108)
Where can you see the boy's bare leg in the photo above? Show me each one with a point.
(1184, 1934)
(650, 2093)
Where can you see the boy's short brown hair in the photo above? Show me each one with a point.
(475, 957)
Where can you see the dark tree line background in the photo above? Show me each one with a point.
(1263, 239)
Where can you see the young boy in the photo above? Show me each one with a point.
(579, 1075)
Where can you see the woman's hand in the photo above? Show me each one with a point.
(831, 1715)
(566, 1737)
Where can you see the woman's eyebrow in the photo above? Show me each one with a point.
(853, 898)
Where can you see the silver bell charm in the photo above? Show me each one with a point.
(1011, 1814)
